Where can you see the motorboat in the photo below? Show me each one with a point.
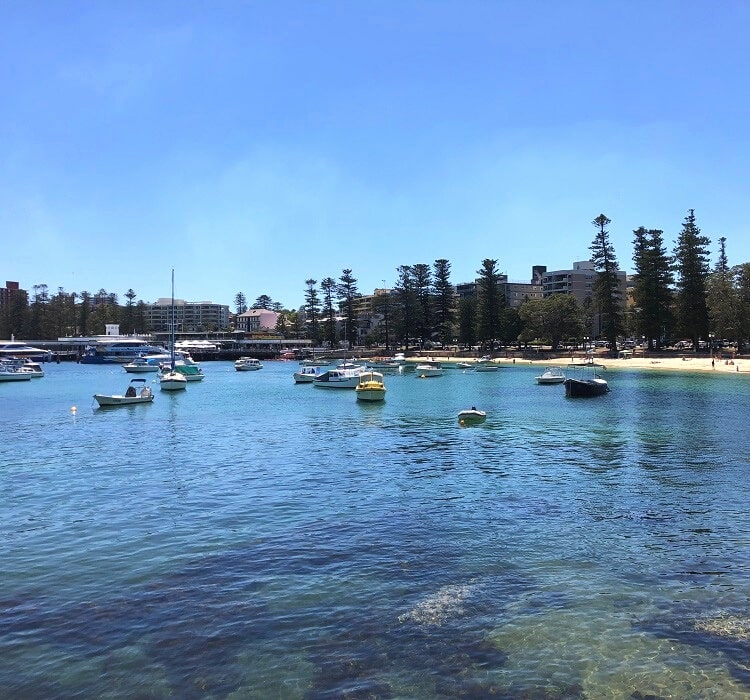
(26, 365)
(370, 386)
(138, 391)
(248, 364)
(315, 362)
(15, 348)
(464, 365)
(587, 382)
(190, 370)
(119, 350)
(383, 364)
(306, 375)
(339, 378)
(471, 416)
(10, 373)
(551, 375)
(141, 365)
(486, 367)
(170, 379)
(486, 364)
(429, 368)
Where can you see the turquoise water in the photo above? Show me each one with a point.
(253, 538)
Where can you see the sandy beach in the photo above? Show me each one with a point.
(680, 363)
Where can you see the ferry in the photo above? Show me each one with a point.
(118, 351)
(14, 348)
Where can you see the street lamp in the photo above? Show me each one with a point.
(711, 344)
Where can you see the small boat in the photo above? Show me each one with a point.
(429, 368)
(464, 365)
(248, 364)
(170, 379)
(587, 383)
(306, 375)
(551, 375)
(370, 387)
(486, 364)
(138, 391)
(141, 365)
(15, 348)
(9, 373)
(26, 365)
(190, 370)
(471, 416)
(315, 362)
(339, 378)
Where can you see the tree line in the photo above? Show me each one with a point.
(675, 294)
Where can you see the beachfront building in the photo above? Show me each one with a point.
(9, 292)
(189, 316)
(515, 293)
(579, 282)
(256, 321)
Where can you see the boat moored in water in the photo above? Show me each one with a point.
(339, 378)
(306, 375)
(551, 375)
(248, 364)
(138, 391)
(472, 416)
(370, 386)
(587, 383)
(10, 373)
(429, 368)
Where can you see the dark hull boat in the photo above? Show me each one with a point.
(587, 383)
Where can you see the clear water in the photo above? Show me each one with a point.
(253, 538)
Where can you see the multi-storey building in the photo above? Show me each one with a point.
(8, 291)
(188, 316)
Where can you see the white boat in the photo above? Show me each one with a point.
(138, 391)
(14, 348)
(383, 364)
(26, 365)
(315, 362)
(170, 379)
(339, 378)
(471, 416)
(141, 365)
(120, 350)
(306, 375)
(464, 365)
(587, 383)
(370, 386)
(9, 373)
(551, 375)
(248, 364)
(429, 368)
(486, 364)
(190, 370)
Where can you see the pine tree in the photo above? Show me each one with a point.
(606, 288)
(347, 293)
(652, 285)
(328, 287)
(490, 301)
(691, 264)
(721, 299)
(445, 301)
(312, 309)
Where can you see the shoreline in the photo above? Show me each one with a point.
(676, 364)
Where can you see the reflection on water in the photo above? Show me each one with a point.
(265, 539)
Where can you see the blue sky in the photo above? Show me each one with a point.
(253, 145)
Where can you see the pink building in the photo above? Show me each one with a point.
(256, 320)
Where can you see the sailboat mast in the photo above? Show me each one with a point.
(171, 335)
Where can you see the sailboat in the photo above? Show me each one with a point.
(172, 380)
